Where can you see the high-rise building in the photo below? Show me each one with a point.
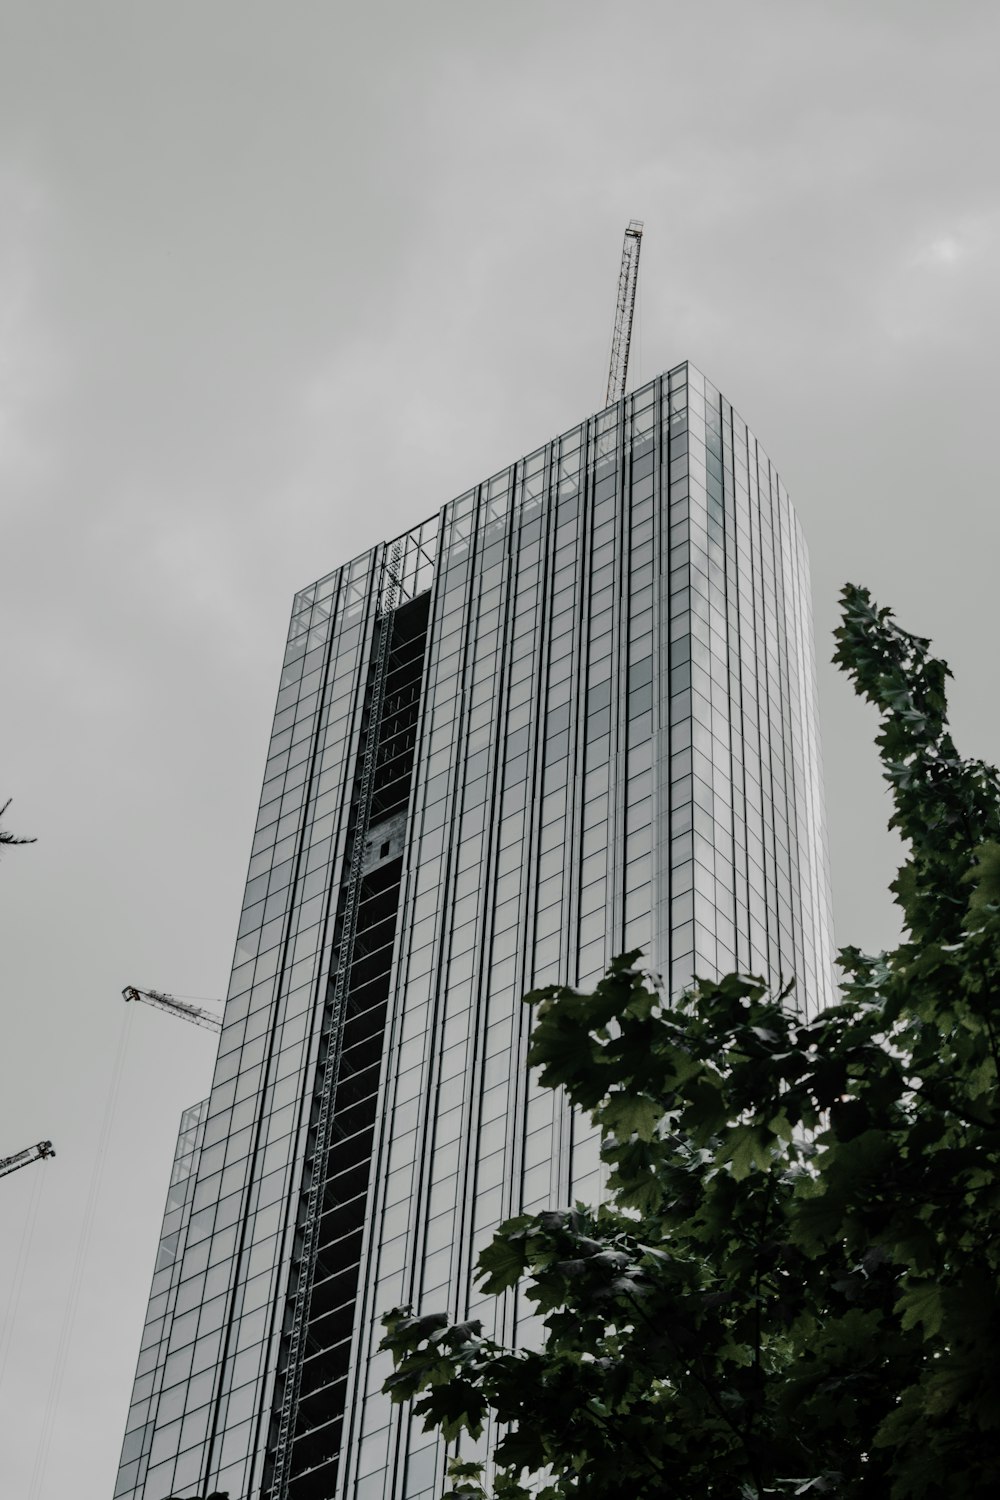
(570, 715)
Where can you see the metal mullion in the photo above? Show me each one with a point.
(590, 446)
(486, 918)
(660, 850)
(523, 1016)
(614, 927)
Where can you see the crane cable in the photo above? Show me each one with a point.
(20, 1267)
(80, 1263)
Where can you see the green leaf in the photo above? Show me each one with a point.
(501, 1264)
(634, 1114)
(985, 876)
(743, 1149)
(921, 1304)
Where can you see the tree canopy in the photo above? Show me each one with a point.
(792, 1287)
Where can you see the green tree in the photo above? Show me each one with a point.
(793, 1288)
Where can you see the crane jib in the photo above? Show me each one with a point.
(628, 278)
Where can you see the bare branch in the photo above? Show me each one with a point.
(8, 839)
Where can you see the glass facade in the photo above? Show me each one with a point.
(573, 713)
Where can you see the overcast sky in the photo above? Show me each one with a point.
(277, 280)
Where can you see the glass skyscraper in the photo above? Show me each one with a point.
(572, 714)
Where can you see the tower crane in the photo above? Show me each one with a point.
(174, 1007)
(26, 1157)
(628, 278)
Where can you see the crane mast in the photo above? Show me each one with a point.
(25, 1158)
(628, 278)
(174, 1007)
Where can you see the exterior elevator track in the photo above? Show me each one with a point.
(308, 1415)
